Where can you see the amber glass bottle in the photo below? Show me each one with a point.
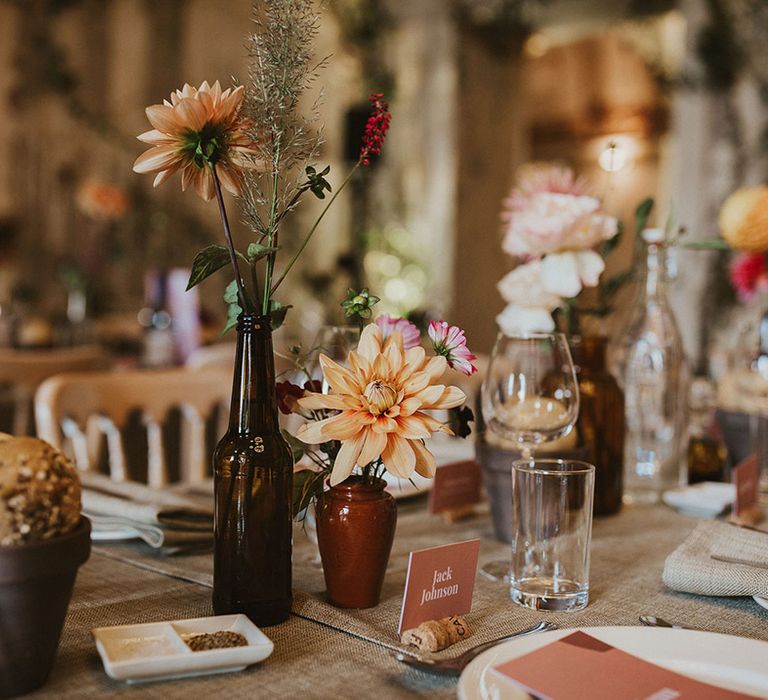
(253, 472)
(601, 424)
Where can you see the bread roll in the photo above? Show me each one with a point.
(39, 491)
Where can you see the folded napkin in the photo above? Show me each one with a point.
(165, 519)
(691, 568)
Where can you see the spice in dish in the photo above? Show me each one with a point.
(223, 639)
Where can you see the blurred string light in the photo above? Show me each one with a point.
(394, 271)
(617, 155)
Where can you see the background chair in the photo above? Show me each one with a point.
(76, 412)
(24, 370)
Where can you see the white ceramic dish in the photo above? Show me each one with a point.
(762, 602)
(705, 500)
(733, 663)
(157, 651)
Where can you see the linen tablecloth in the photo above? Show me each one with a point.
(325, 652)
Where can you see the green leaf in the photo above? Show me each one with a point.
(230, 293)
(229, 325)
(612, 243)
(277, 313)
(233, 306)
(307, 484)
(256, 251)
(615, 283)
(296, 445)
(642, 214)
(716, 244)
(206, 262)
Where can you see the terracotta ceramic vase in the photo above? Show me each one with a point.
(355, 530)
(36, 581)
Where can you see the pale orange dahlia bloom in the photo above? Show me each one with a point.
(199, 128)
(381, 397)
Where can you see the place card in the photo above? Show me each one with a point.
(746, 476)
(455, 486)
(440, 583)
(589, 669)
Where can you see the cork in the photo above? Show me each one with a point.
(436, 635)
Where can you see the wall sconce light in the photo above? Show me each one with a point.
(617, 155)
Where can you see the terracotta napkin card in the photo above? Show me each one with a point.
(440, 583)
(588, 669)
(746, 476)
(455, 486)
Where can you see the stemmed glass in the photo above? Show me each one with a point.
(529, 396)
(335, 342)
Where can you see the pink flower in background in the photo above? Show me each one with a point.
(450, 342)
(749, 275)
(411, 335)
(542, 178)
(551, 210)
(102, 201)
(553, 222)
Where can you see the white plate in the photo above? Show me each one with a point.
(733, 663)
(157, 651)
(762, 602)
(405, 488)
(705, 500)
(446, 451)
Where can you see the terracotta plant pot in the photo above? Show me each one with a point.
(355, 530)
(36, 581)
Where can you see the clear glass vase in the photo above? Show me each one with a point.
(655, 384)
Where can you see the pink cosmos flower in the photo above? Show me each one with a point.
(749, 275)
(388, 325)
(450, 342)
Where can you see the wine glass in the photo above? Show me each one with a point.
(529, 396)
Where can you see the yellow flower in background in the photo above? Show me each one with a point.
(197, 129)
(381, 398)
(744, 219)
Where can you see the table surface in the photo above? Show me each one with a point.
(323, 652)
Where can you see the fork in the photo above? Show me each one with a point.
(455, 665)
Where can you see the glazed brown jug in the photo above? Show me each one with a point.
(355, 530)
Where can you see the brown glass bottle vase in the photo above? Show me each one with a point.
(253, 478)
(601, 423)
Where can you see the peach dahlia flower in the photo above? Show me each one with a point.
(381, 399)
(198, 128)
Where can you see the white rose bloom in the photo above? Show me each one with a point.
(566, 273)
(524, 286)
(519, 320)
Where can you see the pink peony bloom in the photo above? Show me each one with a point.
(553, 222)
(411, 335)
(450, 342)
(749, 275)
(535, 179)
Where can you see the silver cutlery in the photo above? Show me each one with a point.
(455, 665)
(654, 621)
